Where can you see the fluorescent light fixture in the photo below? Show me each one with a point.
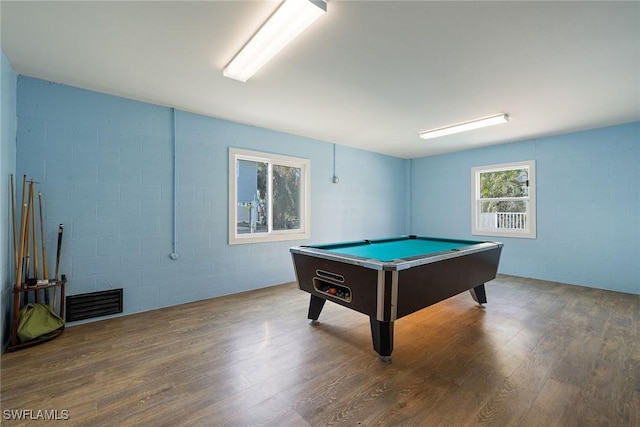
(463, 127)
(289, 20)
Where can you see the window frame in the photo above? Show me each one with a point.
(530, 232)
(303, 232)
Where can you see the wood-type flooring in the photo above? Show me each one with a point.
(539, 354)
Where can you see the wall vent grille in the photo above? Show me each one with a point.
(93, 304)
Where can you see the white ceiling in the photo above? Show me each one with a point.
(367, 74)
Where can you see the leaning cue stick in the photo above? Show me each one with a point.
(24, 221)
(17, 295)
(26, 255)
(18, 286)
(32, 242)
(55, 290)
(13, 224)
(45, 272)
(60, 230)
(36, 267)
(19, 254)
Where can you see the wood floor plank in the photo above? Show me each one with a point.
(539, 353)
(549, 407)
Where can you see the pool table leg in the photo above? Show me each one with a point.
(382, 334)
(315, 307)
(478, 294)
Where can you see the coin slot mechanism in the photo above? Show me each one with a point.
(334, 277)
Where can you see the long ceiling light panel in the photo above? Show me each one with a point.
(286, 23)
(463, 127)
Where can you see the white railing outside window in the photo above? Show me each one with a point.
(504, 220)
(503, 200)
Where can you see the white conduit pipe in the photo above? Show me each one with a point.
(174, 255)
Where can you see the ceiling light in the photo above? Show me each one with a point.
(289, 20)
(463, 127)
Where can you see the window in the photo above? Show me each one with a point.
(268, 197)
(503, 200)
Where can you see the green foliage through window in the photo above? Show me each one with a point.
(504, 184)
(509, 183)
(268, 197)
(286, 197)
(503, 200)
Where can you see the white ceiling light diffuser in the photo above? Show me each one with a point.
(463, 127)
(286, 23)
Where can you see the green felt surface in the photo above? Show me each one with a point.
(396, 249)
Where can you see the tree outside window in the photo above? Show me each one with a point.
(503, 200)
(268, 197)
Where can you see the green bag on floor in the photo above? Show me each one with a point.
(37, 320)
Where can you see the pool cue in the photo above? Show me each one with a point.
(45, 272)
(33, 252)
(19, 254)
(18, 286)
(55, 290)
(23, 268)
(60, 230)
(36, 267)
(17, 296)
(13, 223)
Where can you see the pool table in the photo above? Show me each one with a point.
(387, 279)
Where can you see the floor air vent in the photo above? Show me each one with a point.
(94, 304)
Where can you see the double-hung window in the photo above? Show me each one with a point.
(503, 200)
(268, 197)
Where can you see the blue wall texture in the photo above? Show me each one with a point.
(588, 205)
(8, 126)
(105, 168)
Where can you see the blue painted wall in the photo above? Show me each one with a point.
(105, 165)
(588, 205)
(8, 126)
